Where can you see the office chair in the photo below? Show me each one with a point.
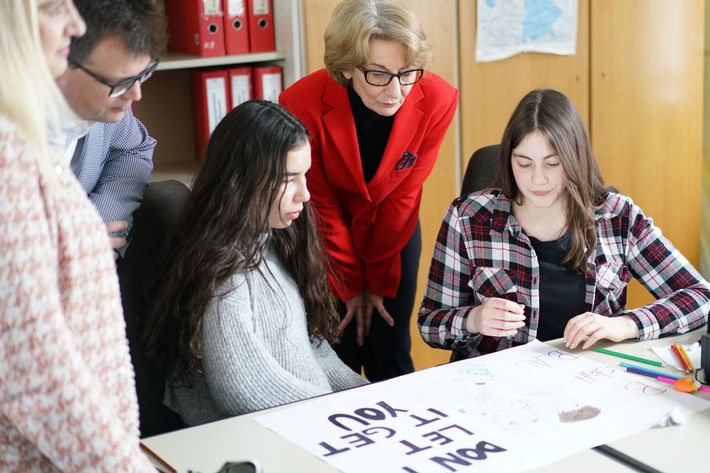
(481, 169)
(161, 206)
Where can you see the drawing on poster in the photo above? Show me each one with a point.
(514, 405)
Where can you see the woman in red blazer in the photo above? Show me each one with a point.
(376, 119)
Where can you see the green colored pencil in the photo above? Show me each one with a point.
(628, 357)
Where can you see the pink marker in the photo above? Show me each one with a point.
(686, 385)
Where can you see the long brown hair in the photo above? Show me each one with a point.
(224, 230)
(554, 115)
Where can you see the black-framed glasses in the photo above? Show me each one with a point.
(121, 87)
(382, 78)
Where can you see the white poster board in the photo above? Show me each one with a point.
(510, 411)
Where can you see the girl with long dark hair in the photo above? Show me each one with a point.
(242, 316)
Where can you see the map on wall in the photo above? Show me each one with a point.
(509, 27)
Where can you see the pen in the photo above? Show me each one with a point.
(679, 356)
(646, 371)
(625, 459)
(628, 357)
(686, 357)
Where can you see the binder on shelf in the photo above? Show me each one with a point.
(195, 27)
(240, 85)
(236, 28)
(210, 94)
(268, 82)
(260, 19)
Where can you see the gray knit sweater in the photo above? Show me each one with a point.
(256, 351)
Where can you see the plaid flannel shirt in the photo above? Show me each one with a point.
(482, 252)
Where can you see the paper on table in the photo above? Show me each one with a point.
(666, 354)
(501, 412)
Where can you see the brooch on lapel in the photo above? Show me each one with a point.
(406, 161)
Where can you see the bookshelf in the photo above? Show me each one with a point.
(166, 105)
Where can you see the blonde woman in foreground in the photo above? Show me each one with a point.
(67, 397)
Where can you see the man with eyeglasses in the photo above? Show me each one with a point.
(108, 148)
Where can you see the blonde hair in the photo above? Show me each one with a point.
(29, 96)
(355, 22)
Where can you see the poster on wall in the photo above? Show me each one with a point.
(509, 27)
(510, 411)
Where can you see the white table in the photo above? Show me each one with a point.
(205, 448)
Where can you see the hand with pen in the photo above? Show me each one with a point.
(589, 328)
(496, 317)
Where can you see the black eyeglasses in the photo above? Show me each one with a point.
(121, 87)
(382, 78)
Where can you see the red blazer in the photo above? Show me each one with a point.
(365, 226)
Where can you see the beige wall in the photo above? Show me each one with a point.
(647, 91)
(705, 196)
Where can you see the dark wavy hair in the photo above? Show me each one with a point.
(224, 229)
(554, 115)
(140, 24)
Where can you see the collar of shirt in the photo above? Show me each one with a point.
(71, 130)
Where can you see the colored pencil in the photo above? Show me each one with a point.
(683, 364)
(668, 380)
(628, 357)
(687, 359)
(641, 372)
(651, 372)
(665, 379)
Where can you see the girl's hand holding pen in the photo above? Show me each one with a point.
(496, 318)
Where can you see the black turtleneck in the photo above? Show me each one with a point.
(373, 132)
(562, 291)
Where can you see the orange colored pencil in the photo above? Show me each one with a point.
(679, 356)
(688, 361)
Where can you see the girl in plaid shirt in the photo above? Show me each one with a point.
(548, 252)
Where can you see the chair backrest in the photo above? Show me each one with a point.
(162, 203)
(481, 169)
